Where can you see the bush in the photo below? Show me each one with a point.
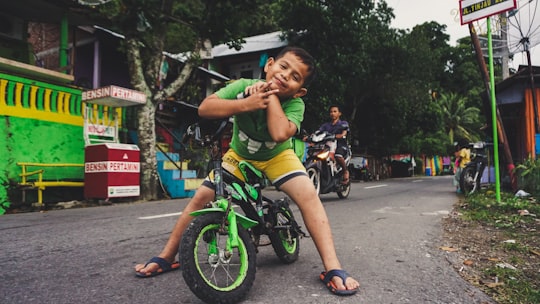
(528, 175)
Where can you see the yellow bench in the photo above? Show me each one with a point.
(39, 183)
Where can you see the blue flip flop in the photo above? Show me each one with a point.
(326, 278)
(164, 266)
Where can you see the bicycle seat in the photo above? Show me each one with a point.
(252, 175)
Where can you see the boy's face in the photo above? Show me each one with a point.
(287, 74)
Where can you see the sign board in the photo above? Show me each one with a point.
(114, 96)
(100, 130)
(472, 10)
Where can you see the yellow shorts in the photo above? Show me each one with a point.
(278, 170)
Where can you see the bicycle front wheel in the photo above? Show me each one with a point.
(214, 274)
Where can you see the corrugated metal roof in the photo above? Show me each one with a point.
(252, 44)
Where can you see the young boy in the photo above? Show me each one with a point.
(340, 148)
(264, 122)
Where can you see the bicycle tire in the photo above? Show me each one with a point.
(216, 278)
(285, 241)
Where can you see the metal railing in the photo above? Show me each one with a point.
(39, 183)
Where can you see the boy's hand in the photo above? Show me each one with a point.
(257, 95)
(260, 86)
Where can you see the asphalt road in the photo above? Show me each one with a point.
(387, 235)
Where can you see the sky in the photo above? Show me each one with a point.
(413, 12)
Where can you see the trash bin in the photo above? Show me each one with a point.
(111, 170)
(428, 171)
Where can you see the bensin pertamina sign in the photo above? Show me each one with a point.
(472, 10)
(114, 96)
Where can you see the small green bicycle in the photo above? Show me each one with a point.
(218, 250)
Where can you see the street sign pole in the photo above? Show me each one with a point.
(493, 113)
(472, 10)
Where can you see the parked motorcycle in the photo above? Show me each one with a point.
(469, 180)
(323, 170)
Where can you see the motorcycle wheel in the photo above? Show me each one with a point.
(285, 240)
(468, 181)
(315, 177)
(211, 273)
(344, 190)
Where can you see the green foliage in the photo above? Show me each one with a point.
(459, 120)
(463, 74)
(529, 176)
(516, 287)
(175, 26)
(519, 284)
(4, 206)
(344, 37)
(382, 77)
(483, 206)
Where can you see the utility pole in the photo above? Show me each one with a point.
(487, 86)
(504, 38)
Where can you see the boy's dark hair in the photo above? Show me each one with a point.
(305, 57)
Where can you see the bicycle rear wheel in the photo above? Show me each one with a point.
(284, 237)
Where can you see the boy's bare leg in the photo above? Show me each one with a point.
(301, 191)
(201, 197)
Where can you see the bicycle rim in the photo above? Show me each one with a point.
(222, 271)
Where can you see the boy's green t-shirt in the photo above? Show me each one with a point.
(250, 138)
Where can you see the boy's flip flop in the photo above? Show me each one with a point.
(326, 278)
(164, 266)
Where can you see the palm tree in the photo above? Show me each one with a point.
(459, 120)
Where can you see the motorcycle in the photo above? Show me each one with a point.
(218, 250)
(471, 175)
(323, 170)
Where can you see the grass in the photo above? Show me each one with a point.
(517, 279)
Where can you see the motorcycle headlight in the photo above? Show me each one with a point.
(323, 155)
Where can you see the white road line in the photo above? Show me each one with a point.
(378, 186)
(159, 216)
(417, 181)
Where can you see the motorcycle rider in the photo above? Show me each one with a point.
(338, 149)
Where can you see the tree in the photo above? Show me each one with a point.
(342, 35)
(382, 77)
(462, 76)
(151, 27)
(459, 119)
